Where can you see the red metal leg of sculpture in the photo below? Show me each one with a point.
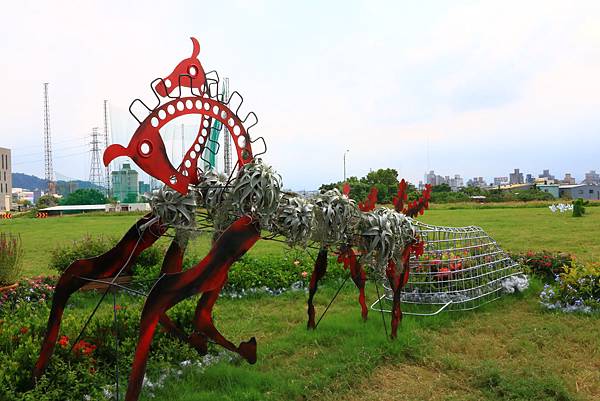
(318, 272)
(205, 328)
(208, 275)
(173, 263)
(121, 257)
(397, 279)
(358, 275)
(203, 323)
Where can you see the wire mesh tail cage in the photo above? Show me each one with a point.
(461, 269)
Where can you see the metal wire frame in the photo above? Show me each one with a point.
(436, 284)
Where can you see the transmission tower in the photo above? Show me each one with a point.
(49, 171)
(96, 176)
(106, 143)
(226, 135)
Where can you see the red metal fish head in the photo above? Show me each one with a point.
(147, 150)
(189, 67)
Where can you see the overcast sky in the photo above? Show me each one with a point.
(461, 87)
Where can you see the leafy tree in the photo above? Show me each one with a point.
(84, 197)
(385, 176)
(385, 180)
(45, 201)
(441, 188)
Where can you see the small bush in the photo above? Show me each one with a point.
(11, 255)
(579, 207)
(89, 247)
(545, 265)
(253, 272)
(577, 289)
(83, 370)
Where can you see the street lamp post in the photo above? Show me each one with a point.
(347, 150)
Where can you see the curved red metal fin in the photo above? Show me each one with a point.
(346, 189)
(196, 50)
(369, 204)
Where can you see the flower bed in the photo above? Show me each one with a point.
(577, 289)
(29, 291)
(84, 370)
(545, 265)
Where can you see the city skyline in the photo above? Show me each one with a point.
(460, 87)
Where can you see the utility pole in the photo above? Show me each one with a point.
(95, 170)
(347, 150)
(49, 170)
(106, 143)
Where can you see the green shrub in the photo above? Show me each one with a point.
(87, 368)
(577, 289)
(257, 271)
(546, 265)
(11, 254)
(579, 207)
(89, 247)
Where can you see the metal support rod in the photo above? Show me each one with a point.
(331, 302)
(382, 316)
(116, 345)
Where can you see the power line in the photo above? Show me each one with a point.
(56, 157)
(54, 150)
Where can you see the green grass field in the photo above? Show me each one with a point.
(522, 229)
(515, 229)
(41, 236)
(508, 350)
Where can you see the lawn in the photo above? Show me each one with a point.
(522, 229)
(508, 350)
(515, 229)
(41, 236)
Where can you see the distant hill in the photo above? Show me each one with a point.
(31, 182)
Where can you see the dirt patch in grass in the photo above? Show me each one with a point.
(413, 382)
(516, 352)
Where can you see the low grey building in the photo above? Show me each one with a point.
(584, 191)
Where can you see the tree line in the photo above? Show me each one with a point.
(386, 182)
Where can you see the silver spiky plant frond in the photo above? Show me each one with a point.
(256, 191)
(335, 218)
(293, 219)
(173, 208)
(384, 235)
(212, 191)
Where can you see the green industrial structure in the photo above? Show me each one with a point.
(212, 147)
(125, 184)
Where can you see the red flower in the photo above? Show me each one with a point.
(64, 341)
(444, 274)
(84, 348)
(23, 330)
(304, 274)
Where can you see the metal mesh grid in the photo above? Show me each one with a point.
(462, 268)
